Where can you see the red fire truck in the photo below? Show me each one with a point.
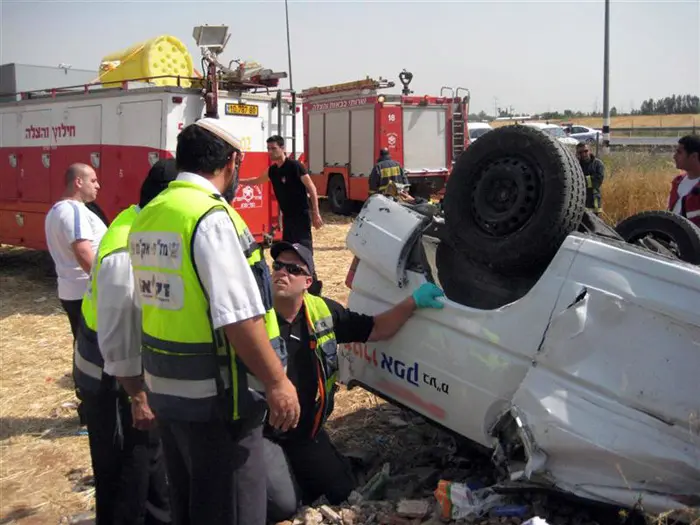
(345, 126)
(122, 131)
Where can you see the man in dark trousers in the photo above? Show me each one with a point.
(302, 464)
(594, 170)
(213, 361)
(127, 459)
(294, 190)
(385, 171)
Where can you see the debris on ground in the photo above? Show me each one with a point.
(403, 463)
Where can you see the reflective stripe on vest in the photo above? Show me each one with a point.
(187, 364)
(387, 175)
(324, 344)
(87, 358)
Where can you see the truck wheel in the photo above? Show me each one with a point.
(663, 232)
(475, 285)
(512, 199)
(338, 196)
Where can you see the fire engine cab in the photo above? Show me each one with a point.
(346, 125)
(122, 128)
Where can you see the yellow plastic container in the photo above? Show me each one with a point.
(162, 55)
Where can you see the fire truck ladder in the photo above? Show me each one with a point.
(281, 118)
(458, 120)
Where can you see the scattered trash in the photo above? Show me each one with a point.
(69, 404)
(376, 483)
(458, 501)
(509, 511)
(40, 300)
(413, 508)
(330, 514)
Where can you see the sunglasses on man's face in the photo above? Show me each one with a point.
(293, 269)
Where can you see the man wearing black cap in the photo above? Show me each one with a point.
(302, 464)
(130, 481)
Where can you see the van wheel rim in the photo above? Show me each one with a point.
(505, 196)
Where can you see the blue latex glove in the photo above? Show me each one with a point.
(426, 296)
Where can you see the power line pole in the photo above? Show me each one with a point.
(606, 82)
(289, 47)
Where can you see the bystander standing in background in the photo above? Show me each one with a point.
(73, 233)
(684, 198)
(594, 171)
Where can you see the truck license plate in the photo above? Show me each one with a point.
(245, 110)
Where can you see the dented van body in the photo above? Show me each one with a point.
(587, 384)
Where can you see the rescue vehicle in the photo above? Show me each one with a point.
(346, 125)
(122, 128)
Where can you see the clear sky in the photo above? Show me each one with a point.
(534, 56)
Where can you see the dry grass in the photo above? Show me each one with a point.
(635, 182)
(634, 121)
(38, 436)
(39, 441)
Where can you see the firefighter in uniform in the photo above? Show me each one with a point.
(594, 171)
(130, 483)
(386, 171)
(302, 464)
(210, 336)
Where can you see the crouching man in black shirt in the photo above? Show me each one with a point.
(302, 464)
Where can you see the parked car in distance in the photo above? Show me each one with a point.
(477, 129)
(583, 133)
(553, 130)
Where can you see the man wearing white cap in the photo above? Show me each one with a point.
(209, 335)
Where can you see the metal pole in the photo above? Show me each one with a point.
(606, 82)
(289, 47)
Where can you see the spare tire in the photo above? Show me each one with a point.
(663, 232)
(512, 198)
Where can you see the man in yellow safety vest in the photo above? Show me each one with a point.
(302, 464)
(210, 336)
(130, 484)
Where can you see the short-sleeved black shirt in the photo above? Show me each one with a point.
(349, 327)
(289, 190)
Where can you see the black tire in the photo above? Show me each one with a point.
(663, 232)
(475, 285)
(512, 199)
(338, 196)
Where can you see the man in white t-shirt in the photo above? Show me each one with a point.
(73, 233)
(684, 198)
